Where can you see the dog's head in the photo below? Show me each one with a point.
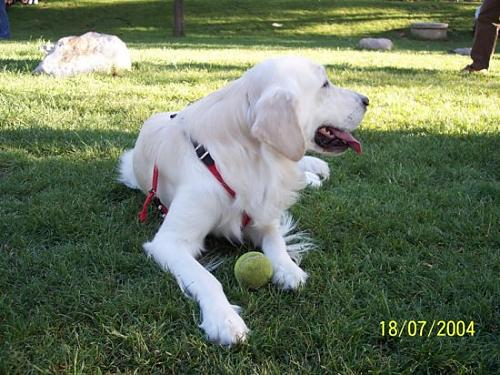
(293, 107)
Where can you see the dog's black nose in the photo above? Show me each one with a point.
(365, 100)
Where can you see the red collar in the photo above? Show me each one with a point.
(209, 162)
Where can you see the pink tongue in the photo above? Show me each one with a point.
(349, 139)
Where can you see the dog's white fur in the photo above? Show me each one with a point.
(90, 52)
(257, 129)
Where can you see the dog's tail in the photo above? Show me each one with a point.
(298, 243)
(126, 170)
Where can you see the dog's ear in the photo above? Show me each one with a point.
(276, 123)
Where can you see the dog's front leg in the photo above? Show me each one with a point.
(174, 248)
(286, 274)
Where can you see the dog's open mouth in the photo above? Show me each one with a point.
(335, 140)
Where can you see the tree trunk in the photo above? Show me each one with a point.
(178, 18)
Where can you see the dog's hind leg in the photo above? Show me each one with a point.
(174, 248)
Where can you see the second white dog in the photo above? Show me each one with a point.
(254, 132)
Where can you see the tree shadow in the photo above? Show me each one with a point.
(143, 24)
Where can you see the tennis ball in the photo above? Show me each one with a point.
(253, 270)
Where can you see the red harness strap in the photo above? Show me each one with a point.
(245, 219)
(205, 157)
(213, 169)
(143, 215)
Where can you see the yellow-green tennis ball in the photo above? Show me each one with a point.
(253, 270)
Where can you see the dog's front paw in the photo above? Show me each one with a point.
(313, 180)
(223, 325)
(315, 170)
(289, 276)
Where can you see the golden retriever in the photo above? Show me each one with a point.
(257, 130)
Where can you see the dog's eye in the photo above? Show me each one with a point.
(326, 84)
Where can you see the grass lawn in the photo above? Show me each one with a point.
(408, 231)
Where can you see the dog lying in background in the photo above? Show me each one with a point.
(87, 53)
(256, 131)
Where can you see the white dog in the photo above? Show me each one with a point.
(90, 52)
(255, 132)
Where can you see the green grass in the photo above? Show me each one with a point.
(407, 231)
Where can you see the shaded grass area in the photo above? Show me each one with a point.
(327, 23)
(84, 289)
(407, 231)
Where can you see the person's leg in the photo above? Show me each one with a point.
(4, 21)
(486, 34)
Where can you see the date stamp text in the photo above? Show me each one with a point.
(424, 328)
